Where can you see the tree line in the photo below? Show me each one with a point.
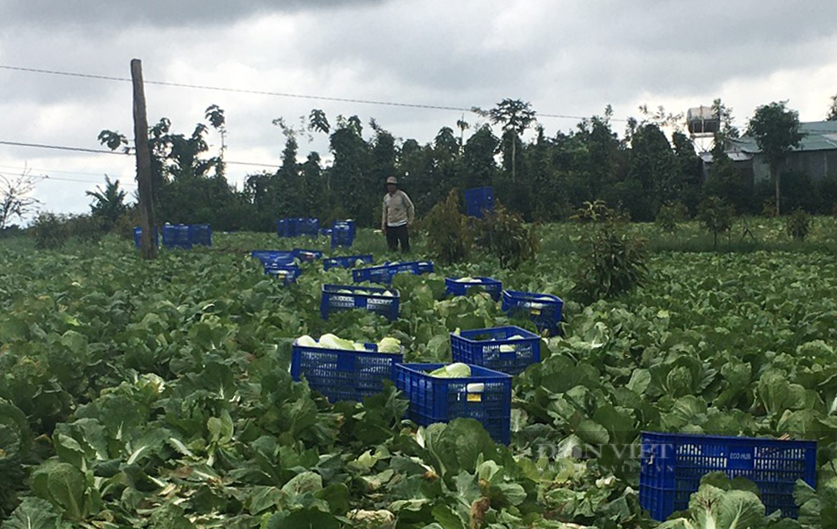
(542, 178)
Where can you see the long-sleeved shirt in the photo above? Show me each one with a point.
(398, 210)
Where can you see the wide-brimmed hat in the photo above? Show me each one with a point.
(392, 180)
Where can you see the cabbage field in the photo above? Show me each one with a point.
(158, 394)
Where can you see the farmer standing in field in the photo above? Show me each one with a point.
(397, 217)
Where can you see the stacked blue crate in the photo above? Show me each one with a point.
(297, 226)
(478, 200)
(176, 236)
(342, 233)
(138, 237)
(200, 234)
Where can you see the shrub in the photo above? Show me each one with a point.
(670, 214)
(504, 235)
(50, 231)
(716, 215)
(86, 228)
(126, 223)
(448, 236)
(798, 225)
(612, 259)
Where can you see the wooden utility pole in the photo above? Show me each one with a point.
(146, 204)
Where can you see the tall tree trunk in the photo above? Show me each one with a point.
(776, 177)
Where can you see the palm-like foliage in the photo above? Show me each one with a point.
(110, 202)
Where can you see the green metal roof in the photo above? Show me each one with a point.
(819, 136)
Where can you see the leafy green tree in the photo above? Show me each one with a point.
(284, 188)
(716, 215)
(600, 157)
(317, 121)
(724, 180)
(832, 110)
(515, 117)
(478, 158)
(776, 130)
(462, 125)
(690, 169)
(347, 173)
(724, 114)
(110, 202)
(653, 166)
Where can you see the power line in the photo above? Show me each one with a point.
(47, 177)
(102, 151)
(271, 93)
(46, 174)
(59, 147)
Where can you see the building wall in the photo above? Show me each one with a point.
(816, 164)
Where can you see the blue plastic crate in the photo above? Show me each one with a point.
(544, 309)
(274, 257)
(374, 274)
(176, 236)
(479, 200)
(138, 236)
(493, 349)
(342, 233)
(307, 255)
(413, 267)
(298, 226)
(287, 273)
(383, 274)
(344, 375)
(673, 464)
(200, 234)
(493, 287)
(348, 261)
(283, 228)
(434, 399)
(347, 297)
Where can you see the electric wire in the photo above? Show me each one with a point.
(120, 153)
(272, 93)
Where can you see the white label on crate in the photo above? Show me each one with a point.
(740, 457)
(373, 301)
(343, 299)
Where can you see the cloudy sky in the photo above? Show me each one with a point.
(569, 59)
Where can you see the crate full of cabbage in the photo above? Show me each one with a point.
(444, 392)
(545, 310)
(508, 349)
(461, 286)
(383, 301)
(343, 369)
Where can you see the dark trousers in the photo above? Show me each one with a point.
(396, 234)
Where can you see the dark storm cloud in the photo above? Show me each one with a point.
(114, 14)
